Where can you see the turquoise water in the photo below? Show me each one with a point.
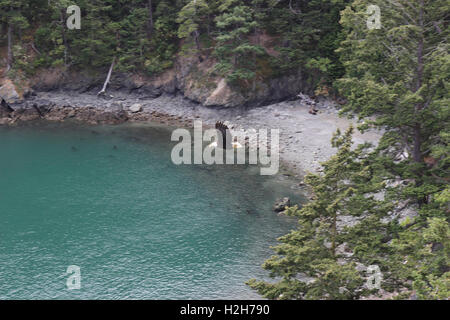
(109, 200)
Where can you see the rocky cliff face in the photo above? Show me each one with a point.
(196, 81)
(199, 82)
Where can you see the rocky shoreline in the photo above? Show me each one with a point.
(304, 137)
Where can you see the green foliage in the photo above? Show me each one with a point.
(398, 73)
(423, 257)
(308, 42)
(108, 28)
(191, 16)
(232, 28)
(398, 76)
(237, 56)
(395, 78)
(318, 260)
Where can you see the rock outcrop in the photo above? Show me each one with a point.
(197, 81)
(8, 92)
(32, 111)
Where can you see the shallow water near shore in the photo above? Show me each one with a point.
(109, 200)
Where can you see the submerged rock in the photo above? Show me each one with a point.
(281, 204)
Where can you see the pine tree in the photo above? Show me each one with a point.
(164, 40)
(11, 16)
(190, 19)
(398, 76)
(399, 72)
(309, 34)
(235, 52)
(318, 260)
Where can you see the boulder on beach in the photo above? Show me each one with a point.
(8, 92)
(116, 106)
(137, 107)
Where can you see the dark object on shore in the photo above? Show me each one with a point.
(4, 106)
(38, 110)
(312, 108)
(225, 142)
(309, 101)
(313, 111)
(281, 204)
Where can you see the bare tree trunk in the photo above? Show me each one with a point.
(150, 18)
(197, 44)
(34, 48)
(208, 26)
(197, 41)
(292, 8)
(10, 58)
(108, 77)
(257, 34)
(417, 138)
(63, 19)
(257, 30)
(333, 235)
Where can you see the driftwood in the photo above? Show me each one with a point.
(9, 59)
(309, 101)
(108, 77)
(35, 49)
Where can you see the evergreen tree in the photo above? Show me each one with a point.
(308, 259)
(143, 35)
(309, 34)
(234, 50)
(14, 21)
(190, 19)
(164, 39)
(399, 72)
(398, 76)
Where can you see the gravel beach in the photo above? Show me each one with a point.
(304, 138)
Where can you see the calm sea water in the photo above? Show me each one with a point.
(109, 200)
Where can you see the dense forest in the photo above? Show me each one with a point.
(144, 35)
(395, 78)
